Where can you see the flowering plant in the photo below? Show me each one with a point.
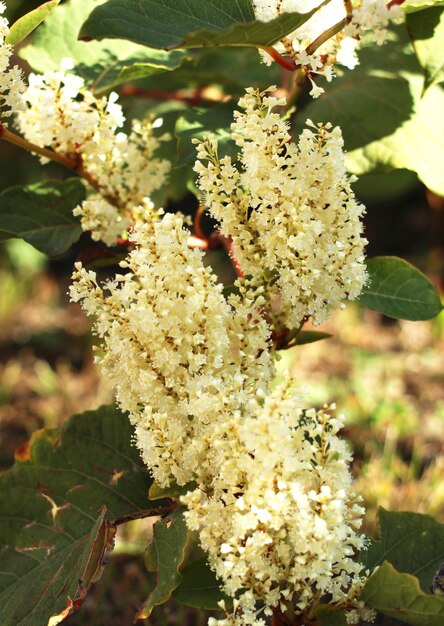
(242, 471)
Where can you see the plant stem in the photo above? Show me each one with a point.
(75, 165)
(287, 64)
(32, 147)
(330, 32)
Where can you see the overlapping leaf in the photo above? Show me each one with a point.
(408, 554)
(397, 289)
(386, 118)
(166, 554)
(411, 542)
(169, 24)
(41, 214)
(400, 596)
(105, 64)
(58, 504)
(426, 29)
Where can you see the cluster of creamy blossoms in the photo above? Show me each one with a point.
(61, 114)
(181, 357)
(12, 85)
(290, 211)
(272, 503)
(279, 521)
(364, 15)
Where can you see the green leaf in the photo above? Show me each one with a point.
(198, 124)
(167, 553)
(103, 65)
(310, 336)
(199, 587)
(168, 24)
(397, 289)
(386, 118)
(411, 6)
(26, 24)
(426, 29)
(327, 615)
(411, 542)
(41, 214)
(400, 596)
(58, 509)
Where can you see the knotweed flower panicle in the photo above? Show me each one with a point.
(63, 115)
(366, 15)
(181, 357)
(279, 520)
(12, 85)
(289, 209)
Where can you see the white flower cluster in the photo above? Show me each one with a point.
(289, 210)
(11, 80)
(272, 502)
(374, 16)
(180, 355)
(364, 15)
(278, 520)
(61, 114)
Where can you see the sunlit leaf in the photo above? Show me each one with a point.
(168, 24)
(27, 23)
(400, 596)
(411, 542)
(397, 289)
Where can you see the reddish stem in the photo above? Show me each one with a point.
(287, 64)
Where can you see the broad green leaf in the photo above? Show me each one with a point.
(41, 214)
(386, 119)
(411, 542)
(169, 24)
(166, 553)
(58, 508)
(400, 596)
(327, 615)
(198, 124)
(26, 24)
(426, 29)
(103, 65)
(397, 289)
(199, 587)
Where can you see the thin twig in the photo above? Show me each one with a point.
(287, 64)
(330, 32)
(76, 164)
